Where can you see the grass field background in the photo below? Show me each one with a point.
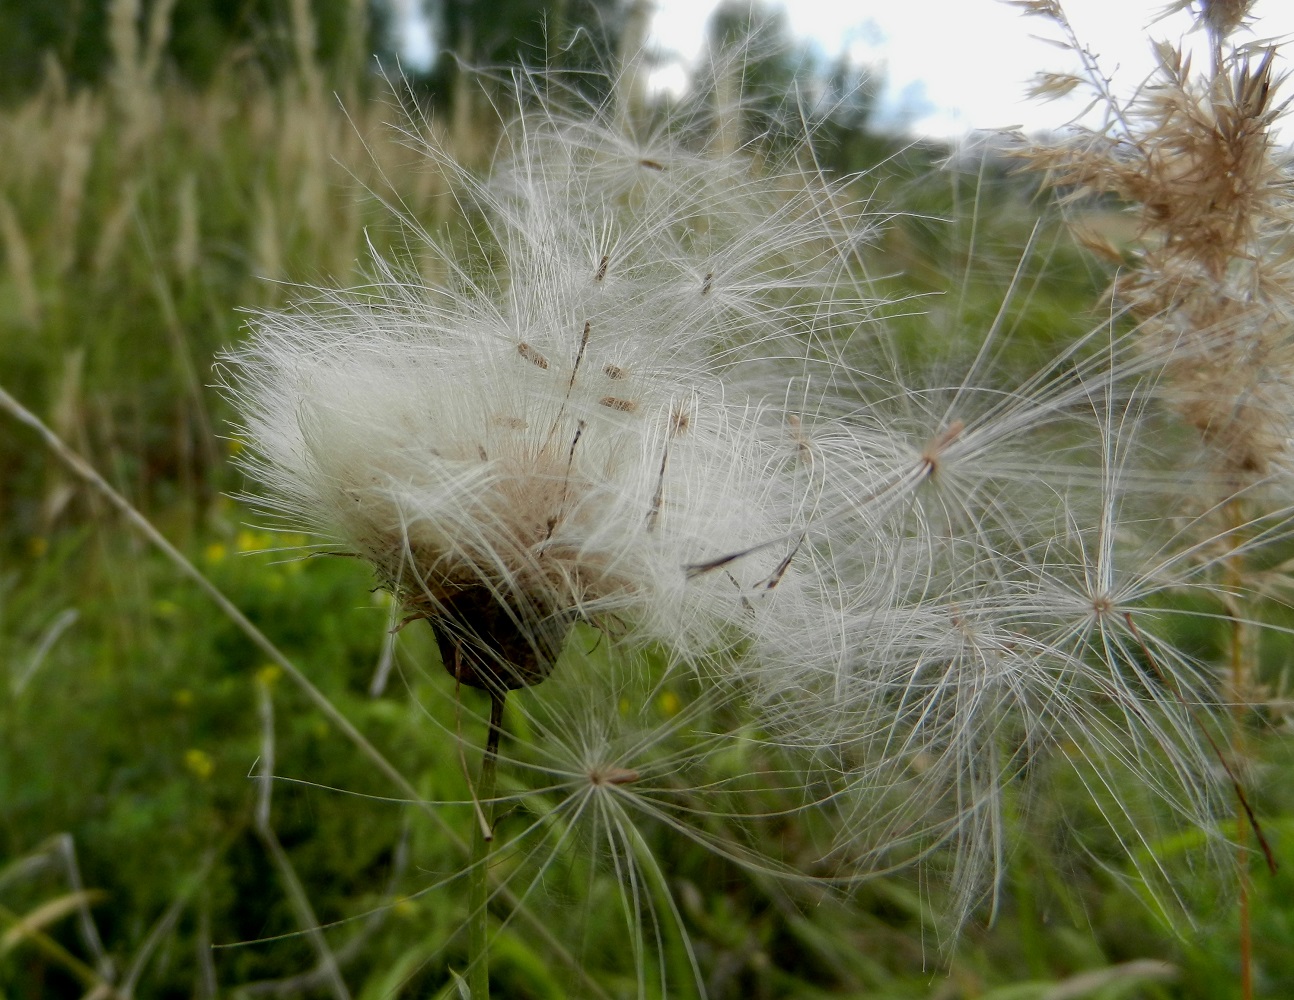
(135, 222)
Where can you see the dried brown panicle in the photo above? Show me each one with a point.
(1212, 268)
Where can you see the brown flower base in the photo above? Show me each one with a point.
(488, 645)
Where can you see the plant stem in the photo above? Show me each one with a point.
(1240, 682)
(478, 918)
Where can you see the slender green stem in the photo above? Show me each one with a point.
(478, 918)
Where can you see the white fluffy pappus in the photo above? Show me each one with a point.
(590, 420)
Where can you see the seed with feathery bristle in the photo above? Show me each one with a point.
(932, 454)
(532, 355)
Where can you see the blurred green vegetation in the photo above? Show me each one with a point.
(193, 41)
(136, 220)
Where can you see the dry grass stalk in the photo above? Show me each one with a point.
(18, 255)
(115, 229)
(188, 234)
(137, 45)
(82, 124)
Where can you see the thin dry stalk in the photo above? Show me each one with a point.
(138, 45)
(115, 229)
(18, 254)
(81, 122)
(188, 235)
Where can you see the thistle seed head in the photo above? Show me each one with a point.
(585, 413)
(649, 398)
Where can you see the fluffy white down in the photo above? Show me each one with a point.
(598, 426)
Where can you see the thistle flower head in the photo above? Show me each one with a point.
(576, 425)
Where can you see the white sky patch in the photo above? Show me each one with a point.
(952, 66)
(413, 29)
